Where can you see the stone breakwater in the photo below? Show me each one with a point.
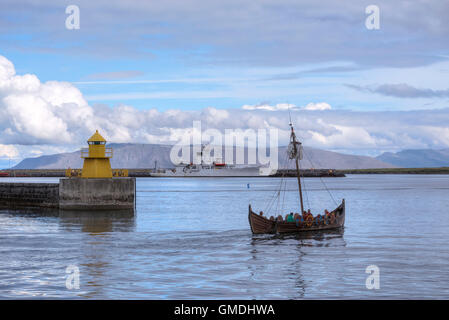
(29, 195)
(72, 194)
(309, 173)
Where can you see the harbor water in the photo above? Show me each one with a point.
(190, 239)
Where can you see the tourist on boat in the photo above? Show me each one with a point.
(308, 214)
(326, 217)
(279, 218)
(332, 216)
(271, 218)
(290, 217)
(299, 220)
(319, 219)
(261, 213)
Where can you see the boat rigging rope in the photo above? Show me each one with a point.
(277, 195)
(327, 189)
(306, 193)
(286, 160)
(303, 182)
(283, 196)
(321, 179)
(271, 202)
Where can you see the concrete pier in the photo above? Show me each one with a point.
(97, 187)
(97, 194)
(29, 195)
(72, 194)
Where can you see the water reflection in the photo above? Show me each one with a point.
(292, 249)
(98, 222)
(185, 245)
(100, 228)
(92, 222)
(321, 238)
(32, 212)
(89, 242)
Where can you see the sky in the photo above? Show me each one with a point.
(143, 71)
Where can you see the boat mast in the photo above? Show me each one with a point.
(296, 151)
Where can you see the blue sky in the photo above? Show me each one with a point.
(197, 56)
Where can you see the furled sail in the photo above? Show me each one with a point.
(292, 153)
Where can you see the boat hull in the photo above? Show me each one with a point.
(260, 224)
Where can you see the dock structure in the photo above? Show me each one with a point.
(147, 172)
(44, 195)
(97, 193)
(309, 173)
(95, 187)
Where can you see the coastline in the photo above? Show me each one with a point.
(309, 173)
(440, 170)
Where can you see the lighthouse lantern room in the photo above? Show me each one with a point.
(96, 158)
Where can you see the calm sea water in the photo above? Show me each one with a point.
(190, 239)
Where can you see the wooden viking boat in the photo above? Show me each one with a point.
(333, 220)
(260, 224)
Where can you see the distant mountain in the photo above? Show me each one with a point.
(145, 155)
(322, 159)
(419, 158)
(125, 155)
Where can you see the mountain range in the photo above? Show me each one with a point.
(417, 158)
(151, 155)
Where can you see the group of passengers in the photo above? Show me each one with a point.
(307, 218)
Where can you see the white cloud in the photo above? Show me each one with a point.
(7, 70)
(55, 117)
(345, 137)
(8, 151)
(286, 106)
(33, 112)
(277, 107)
(317, 106)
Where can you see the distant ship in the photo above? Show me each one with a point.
(217, 168)
(204, 170)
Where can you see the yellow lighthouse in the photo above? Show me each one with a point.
(96, 158)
